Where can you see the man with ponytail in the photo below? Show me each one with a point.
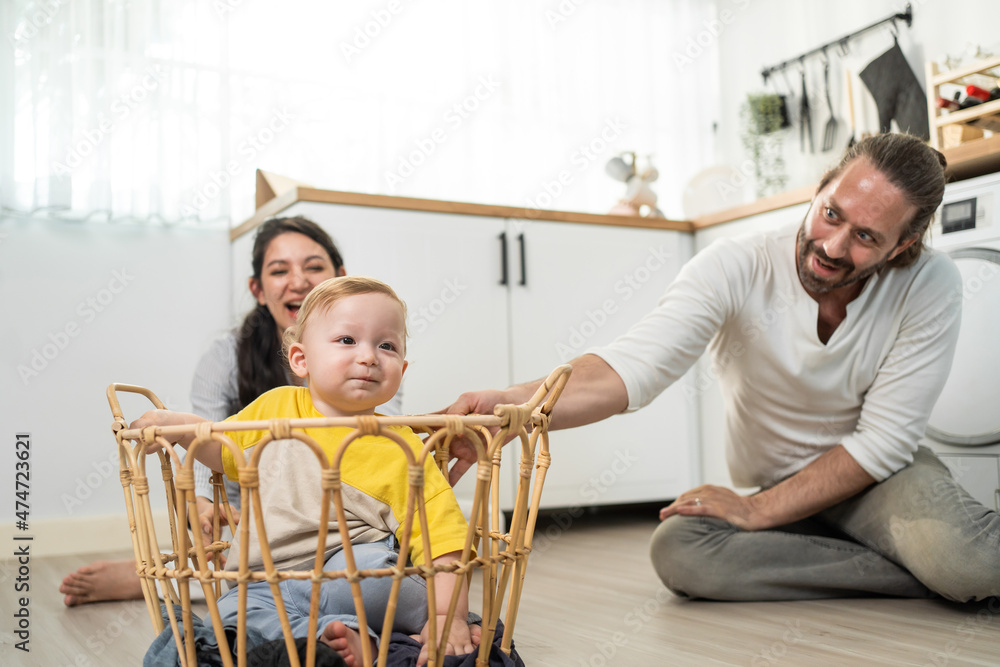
(831, 342)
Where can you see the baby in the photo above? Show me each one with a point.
(349, 345)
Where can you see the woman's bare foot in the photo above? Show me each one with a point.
(100, 581)
(344, 640)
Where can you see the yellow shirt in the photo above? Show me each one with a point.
(375, 487)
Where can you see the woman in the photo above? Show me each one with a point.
(290, 257)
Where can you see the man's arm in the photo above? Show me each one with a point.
(594, 392)
(832, 478)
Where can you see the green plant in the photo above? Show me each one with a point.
(761, 117)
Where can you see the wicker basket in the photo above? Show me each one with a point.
(502, 556)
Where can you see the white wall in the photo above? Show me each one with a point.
(85, 305)
(766, 32)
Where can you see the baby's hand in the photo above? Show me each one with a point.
(157, 418)
(462, 638)
(206, 514)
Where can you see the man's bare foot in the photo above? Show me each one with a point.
(100, 581)
(345, 641)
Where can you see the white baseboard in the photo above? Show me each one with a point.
(79, 535)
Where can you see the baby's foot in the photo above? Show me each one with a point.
(344, 640)
(100, 581)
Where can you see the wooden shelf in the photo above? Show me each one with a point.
(985, 116)
(956, 75)
(971, 114)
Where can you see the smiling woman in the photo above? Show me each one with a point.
(290, 257)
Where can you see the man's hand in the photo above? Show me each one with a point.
(832, 478)
(594, 392)
(479, 402)
(464, 454)
(718, 502)
(471, 403)
(462, 638)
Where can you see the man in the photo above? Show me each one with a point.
(825, 401)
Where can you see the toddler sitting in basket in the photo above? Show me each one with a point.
(349, 344)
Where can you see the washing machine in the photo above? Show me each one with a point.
(964, 426)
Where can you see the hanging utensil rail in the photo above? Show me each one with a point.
(842, 42)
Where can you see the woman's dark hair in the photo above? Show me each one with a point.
(913, 167)
(259, 364)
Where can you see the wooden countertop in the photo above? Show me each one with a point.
(306, 194)
(772, 203)
(966, 161)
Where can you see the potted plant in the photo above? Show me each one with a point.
(762, 117)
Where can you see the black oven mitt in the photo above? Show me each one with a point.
(897, 93)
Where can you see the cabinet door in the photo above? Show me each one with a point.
(980, 475)
(447, 269)
(584, 286)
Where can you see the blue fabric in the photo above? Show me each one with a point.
(274, 654)
(163, 651)
(336, 601)
(403, 652)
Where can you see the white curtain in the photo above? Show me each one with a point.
(159, 111)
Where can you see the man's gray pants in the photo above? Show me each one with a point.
(916, 534)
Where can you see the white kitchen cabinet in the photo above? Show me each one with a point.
(586, 285)
(980, 475)
(477, 322)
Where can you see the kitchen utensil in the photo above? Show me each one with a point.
(850, 105)
(805, 127)
(830, 132)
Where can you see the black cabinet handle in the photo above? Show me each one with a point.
(524, 268)
(503, 258)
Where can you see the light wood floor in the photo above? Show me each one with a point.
(591, 599)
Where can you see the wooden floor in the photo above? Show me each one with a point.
(573, 614)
